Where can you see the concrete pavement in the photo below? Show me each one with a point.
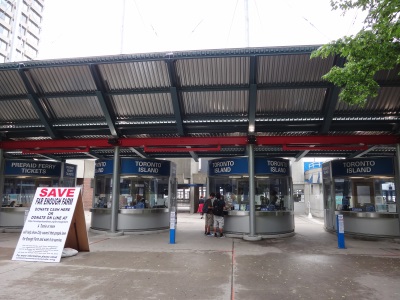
(308, 265)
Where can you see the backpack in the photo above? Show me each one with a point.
(207, 203)
(218, 208)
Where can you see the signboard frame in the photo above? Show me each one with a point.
(55, 221)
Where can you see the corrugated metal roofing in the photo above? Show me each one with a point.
(62, 79)
(72, 108)
(291, 69)
(17, 110)
(149, 105)
(211, 103)
(135, 75)
(213, 71)
(290, 102)
(11, 83)
(387, 103)
(199, 94)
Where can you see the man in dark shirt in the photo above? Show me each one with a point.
(218, 211)
(209, 218)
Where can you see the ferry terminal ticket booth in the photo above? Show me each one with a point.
(147, 189)
(363, 190)
(273, 202)
(19, 182)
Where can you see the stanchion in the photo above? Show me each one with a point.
(340, 231)
(172, 223)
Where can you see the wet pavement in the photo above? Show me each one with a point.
(308, 265)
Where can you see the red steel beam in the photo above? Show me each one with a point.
(184, 141)
(202, 141)
(177, 149)
(323, 148)
(48, 144)
(52, 150)
(329, 140)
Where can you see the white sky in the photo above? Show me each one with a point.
(77, 28)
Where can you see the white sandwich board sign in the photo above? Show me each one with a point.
(55, 220)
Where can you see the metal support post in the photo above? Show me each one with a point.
(115, 191)
(252, 220)
(397, 180)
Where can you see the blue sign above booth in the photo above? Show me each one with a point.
(364, 167)
(70, 170)
(104, 167)
(145, 167)
(271, 166)
(228, 166)
(239, 166)
(135, 167)
(32, 168)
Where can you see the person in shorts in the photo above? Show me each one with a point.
(209, 218)
(218, 212)
(201, 204)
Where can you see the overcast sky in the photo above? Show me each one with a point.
(76, 28)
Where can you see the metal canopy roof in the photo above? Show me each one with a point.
(145, 103)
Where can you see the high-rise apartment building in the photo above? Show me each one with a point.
(20, 27)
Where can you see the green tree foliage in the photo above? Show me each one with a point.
(376, 47)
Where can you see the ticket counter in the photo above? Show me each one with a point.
(145, 189)
(363, 191)
(273, 202)
(21, 178)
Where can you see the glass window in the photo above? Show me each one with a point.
(143, 192)
(32, 40)
(3, 45)
(135, 192)
(4, 31)
(22, 31)
(24, 19)
(270, 193)
(102, 192)
(21, 191)
(328, 196)
(69, 182)
(34, 28)
(4, 17)
(35, 17)
(6, 4)
(365, 195)
(37, 6)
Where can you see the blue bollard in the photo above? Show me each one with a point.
(340, 231)
(172, 223)
(172, 236)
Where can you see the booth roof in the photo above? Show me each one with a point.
(181, 104)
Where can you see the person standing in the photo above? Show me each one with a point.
(201, 205)
(208, 211)
(218, 211)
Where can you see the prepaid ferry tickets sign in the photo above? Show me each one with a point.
(46, 228)
(32, 168)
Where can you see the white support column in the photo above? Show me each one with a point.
(252, 210)
(1, 173)
(397, 180)
(115, 191)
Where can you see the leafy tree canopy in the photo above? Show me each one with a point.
(376, 47)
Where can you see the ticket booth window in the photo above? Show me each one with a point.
(365, 195)
(20, 191)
